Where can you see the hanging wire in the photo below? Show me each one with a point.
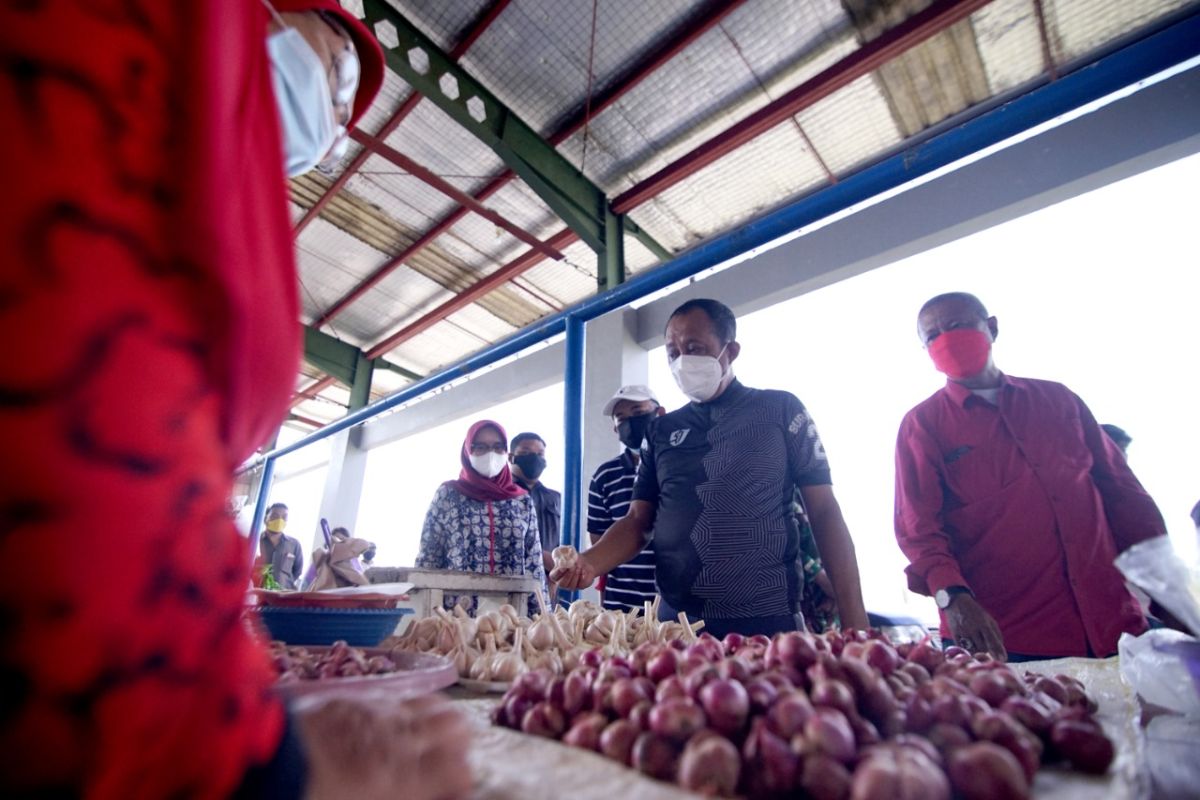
(328, 323)
(587, 108)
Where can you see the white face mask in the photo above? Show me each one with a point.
(489, 464)
(305, 105)
(699, 377)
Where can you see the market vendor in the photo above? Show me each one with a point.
(149, 267)
(715, 490)
(482, 521)
(281, 559)
(1011, 502)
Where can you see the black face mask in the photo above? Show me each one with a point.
(632, 430)
(532, 465)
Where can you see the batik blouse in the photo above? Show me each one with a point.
(491, 537)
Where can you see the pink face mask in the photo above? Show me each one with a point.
(960, 353)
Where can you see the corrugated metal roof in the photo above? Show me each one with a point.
(534, 57)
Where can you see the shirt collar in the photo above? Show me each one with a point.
(531, 489)
(961, 394)
(626, 459)
(731, 394)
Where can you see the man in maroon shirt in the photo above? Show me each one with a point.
(1011, 503)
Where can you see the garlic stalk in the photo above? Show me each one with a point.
(688, 634)
(560, 636)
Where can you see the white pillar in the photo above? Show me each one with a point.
(343, 483)
(614, 359)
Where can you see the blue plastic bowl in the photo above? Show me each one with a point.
(359, 627)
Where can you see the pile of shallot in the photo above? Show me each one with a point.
(499, 645)
(340, 660)
(830, 716)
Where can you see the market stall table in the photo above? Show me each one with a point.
(510, 765)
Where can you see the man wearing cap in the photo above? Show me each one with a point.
(149, 253)
(715, 488)
(630, 585)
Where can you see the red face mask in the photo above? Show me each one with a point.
(960, 353)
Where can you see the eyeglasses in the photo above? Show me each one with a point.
(481, 449)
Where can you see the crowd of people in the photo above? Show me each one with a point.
(151, 258)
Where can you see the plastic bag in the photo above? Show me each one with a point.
(1159, 672)
(1154, 566)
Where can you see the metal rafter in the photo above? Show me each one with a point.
(904, 36)
(703, 22)
(476, 30)
(463, 299)
(916, 29)
(1039, 9)
(405, 163)
(422, 64)
(908, 34)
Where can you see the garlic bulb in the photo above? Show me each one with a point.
(582, 609)
(601, 628)
(510, 615)
(467, 624)
(481, 670)
(564, 557)
(545, 659)
(508, 665)
(489, 623)
(541, 633)
(463, 656)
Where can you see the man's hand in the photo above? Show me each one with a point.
(828, 605)
(413, 749)
(580, 576)
(973, 628)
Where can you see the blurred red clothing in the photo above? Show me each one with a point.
(148, 306)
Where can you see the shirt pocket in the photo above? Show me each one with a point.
(973, 474)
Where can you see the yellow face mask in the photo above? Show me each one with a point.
(276, 525)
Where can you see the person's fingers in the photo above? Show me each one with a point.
(570, 577)
(994, 640)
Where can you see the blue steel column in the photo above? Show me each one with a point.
(573, 433)
(260, 505)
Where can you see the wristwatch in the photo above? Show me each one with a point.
(944, 597)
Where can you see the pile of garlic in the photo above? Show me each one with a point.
(500, 645)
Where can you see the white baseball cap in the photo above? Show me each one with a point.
(634, 393)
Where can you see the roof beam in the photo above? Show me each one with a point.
(913, 31)
(480, 25)
(341, 361)
(463, 299)
(574, 198)
(445, 187)
(1047, 52)
(704, 21)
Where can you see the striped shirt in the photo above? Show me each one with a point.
(631, 584)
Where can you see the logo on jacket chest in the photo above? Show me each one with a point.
(678, 436)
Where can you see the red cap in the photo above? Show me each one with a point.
(370, 54)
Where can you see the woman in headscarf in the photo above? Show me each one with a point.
(483, 522)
